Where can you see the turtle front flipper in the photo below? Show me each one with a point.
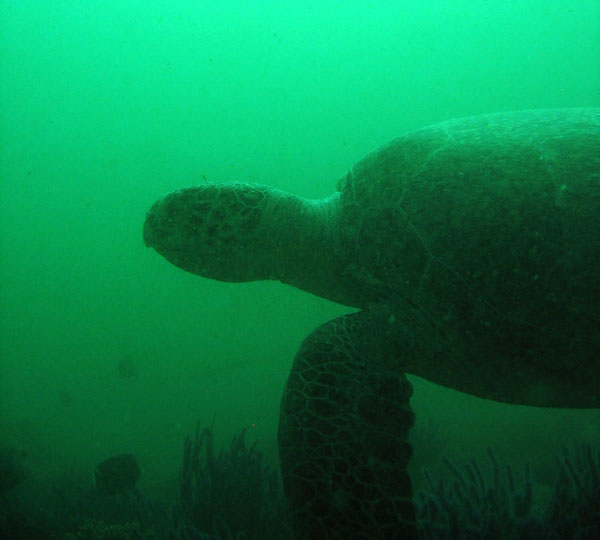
(343, 435)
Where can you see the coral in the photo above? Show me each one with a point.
(574, 510)
(235, 495)
(98, 530)
(75, 505)
(235, 485)
(476, 505)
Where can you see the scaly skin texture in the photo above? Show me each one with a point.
(343, 435)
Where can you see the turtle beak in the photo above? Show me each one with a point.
(163, 225)
(160, 222)
(150, 227)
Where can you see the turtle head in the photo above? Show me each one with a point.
(217, 231)
(241, 232)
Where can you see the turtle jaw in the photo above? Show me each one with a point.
(166, 227)
(157, 226)
(150, 227)
(162, 230)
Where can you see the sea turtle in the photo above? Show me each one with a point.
(470, 248)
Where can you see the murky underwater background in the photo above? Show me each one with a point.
(104, 106)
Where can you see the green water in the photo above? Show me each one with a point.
(106, 105)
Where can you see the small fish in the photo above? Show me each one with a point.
(116, 474)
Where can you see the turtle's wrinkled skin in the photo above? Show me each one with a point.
(471, 249)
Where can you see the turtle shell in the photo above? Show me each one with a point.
(490, 227)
